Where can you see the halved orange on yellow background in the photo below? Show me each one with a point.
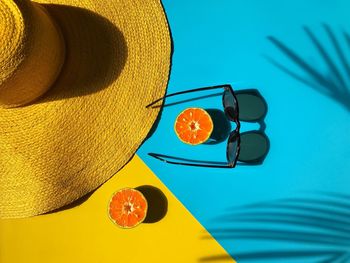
(127, 208)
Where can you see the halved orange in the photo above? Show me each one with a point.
(193, 126)
(127, 208)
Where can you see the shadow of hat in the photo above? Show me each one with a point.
(95, 50)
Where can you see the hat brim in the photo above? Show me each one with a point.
(92, 121)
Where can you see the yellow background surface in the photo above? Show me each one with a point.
(85, 233)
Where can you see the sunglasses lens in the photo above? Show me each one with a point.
(230, 105)
(254, 147)
(252, 106)
(232, 148)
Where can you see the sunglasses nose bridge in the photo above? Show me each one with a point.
(238, 125)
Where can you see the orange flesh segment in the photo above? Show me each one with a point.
(193, 126)
(128, 208)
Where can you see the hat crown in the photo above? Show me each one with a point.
(13, 34)
(31, 53)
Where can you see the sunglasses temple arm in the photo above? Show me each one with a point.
(154, 155)
(188, 91)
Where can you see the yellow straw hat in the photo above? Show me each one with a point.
(75, 77)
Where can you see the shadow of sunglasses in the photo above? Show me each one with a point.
(252, 106)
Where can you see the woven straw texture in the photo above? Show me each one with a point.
(91, 121)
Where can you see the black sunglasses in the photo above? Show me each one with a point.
(231, 109)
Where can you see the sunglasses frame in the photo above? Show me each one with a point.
(234, 136)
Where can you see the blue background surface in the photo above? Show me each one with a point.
(225, 41)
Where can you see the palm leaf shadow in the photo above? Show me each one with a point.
(333, 83)
(319, 225)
